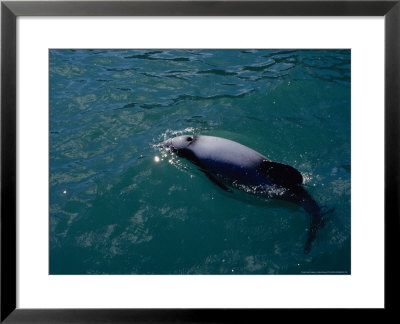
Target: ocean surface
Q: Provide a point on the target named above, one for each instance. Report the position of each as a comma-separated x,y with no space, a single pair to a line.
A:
120,205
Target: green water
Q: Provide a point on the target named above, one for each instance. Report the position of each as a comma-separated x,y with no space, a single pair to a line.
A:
119,205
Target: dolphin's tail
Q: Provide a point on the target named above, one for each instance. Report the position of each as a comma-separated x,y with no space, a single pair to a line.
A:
316,222
299,196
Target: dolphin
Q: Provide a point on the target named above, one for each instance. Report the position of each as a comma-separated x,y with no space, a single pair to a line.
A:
231,164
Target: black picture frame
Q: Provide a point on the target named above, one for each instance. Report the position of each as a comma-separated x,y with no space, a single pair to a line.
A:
10,10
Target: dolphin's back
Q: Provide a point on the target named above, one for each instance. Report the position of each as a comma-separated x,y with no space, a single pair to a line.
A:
240,164
229,159
227,151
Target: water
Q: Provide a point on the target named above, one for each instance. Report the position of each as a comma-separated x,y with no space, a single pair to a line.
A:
119,205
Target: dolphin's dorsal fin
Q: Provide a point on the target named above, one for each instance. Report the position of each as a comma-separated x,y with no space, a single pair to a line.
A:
281,174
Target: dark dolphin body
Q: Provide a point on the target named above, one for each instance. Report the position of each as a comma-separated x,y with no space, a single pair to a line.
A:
227,162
